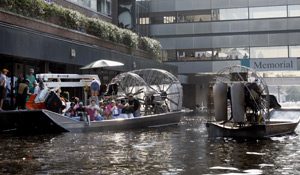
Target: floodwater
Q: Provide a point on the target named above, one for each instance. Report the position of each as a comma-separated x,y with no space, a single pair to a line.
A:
183,149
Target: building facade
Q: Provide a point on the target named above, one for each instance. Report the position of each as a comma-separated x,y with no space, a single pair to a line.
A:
27,42
205,36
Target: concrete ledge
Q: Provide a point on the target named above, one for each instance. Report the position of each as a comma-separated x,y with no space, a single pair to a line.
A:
49,28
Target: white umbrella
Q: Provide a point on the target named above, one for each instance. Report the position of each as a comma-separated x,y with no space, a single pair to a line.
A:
102,63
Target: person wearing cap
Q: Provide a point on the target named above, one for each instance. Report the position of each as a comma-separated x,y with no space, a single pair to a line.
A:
3,86
31,79
133,105
23,92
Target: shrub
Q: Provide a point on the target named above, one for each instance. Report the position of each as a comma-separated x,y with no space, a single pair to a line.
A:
151,45
68,18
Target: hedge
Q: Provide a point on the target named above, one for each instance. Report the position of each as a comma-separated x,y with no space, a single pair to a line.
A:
71,19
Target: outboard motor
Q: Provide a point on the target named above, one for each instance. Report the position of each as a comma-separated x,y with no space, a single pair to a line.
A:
238,102
220,101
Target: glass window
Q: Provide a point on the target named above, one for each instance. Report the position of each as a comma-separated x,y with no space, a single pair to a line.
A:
194,54
171,55
104,6
203,54
269,52
230,14
268,12
144,21
169,19
294,51
157,20
194,16
85,3
294,10
231,53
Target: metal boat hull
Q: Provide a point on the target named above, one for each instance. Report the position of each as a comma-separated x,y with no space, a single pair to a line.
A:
216,129
282,122
44,121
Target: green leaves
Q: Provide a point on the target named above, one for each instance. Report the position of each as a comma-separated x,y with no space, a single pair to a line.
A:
151,45
71,19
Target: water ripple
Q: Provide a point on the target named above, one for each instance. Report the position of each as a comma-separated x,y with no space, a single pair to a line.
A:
183,149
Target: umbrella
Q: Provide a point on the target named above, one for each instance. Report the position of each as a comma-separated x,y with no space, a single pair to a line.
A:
102,63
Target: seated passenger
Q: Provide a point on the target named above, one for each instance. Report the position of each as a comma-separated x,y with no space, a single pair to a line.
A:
80,111
107,110
71,112
133,106
93,111
114,110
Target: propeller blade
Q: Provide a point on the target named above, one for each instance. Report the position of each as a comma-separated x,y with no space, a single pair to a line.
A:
172,101
121,86
168,87
174,93
138,92
168,108
140,99
131,89
159,88
153,89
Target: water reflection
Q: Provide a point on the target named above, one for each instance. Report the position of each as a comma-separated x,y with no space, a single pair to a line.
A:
183,149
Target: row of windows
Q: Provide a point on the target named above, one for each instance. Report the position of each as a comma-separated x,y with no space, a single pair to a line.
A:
101,6
235,53
223,14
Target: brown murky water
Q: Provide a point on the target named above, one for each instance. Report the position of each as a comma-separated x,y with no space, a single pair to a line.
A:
183,149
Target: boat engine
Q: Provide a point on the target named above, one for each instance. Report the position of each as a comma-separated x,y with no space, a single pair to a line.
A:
238,102
220,101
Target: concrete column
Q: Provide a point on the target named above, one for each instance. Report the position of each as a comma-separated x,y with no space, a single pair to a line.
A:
94,5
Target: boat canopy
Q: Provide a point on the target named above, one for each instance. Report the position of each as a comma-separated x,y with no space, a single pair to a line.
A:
66,80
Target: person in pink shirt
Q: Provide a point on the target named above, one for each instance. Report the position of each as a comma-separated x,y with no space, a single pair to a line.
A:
107,111
93,111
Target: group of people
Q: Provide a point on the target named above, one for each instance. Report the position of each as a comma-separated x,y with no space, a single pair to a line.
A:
18,89
104,109
108,107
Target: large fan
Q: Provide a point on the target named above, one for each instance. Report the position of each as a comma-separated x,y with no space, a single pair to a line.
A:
252,82
129,83
165,87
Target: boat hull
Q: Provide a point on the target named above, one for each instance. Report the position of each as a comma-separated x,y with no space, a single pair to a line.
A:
44,121
282,122
216,129
28,122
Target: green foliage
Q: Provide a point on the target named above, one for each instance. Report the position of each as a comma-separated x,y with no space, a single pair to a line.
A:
150,45
71,19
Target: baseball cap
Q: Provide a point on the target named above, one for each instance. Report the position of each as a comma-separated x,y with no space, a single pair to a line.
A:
5,70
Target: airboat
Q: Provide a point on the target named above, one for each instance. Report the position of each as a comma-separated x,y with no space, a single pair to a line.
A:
241,107
159,93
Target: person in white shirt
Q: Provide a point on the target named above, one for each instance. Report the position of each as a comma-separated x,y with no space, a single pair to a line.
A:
3,86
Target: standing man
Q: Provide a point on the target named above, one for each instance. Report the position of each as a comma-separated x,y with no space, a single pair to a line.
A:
23,92
3,86
95,87
31,79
